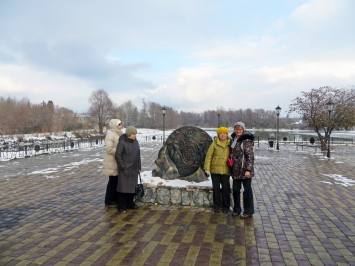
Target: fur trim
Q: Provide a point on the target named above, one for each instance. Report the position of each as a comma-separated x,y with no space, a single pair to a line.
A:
246,136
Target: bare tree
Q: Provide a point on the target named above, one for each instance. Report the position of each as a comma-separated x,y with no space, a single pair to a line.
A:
313,108
155,115
64,119
101,107
128,113
143,115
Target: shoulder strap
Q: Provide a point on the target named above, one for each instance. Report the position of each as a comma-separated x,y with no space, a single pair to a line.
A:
140,180
234,143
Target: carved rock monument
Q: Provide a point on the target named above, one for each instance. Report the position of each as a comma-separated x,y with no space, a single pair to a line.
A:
183,155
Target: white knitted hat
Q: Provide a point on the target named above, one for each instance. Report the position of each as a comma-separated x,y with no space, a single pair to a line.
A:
240,124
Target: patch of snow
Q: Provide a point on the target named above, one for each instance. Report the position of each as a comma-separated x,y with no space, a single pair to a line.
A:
45,171
326,158
70,168
325,182
50,176
338,162
85,161
346,182
148,178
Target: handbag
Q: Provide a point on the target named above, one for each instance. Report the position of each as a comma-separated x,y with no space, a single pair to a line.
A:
139,189
230,160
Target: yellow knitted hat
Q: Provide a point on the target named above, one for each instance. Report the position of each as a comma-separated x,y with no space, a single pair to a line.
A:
222,129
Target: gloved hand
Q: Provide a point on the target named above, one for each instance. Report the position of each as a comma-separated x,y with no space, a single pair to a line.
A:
208,173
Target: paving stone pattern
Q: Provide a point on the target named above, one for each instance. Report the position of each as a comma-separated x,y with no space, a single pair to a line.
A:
298,221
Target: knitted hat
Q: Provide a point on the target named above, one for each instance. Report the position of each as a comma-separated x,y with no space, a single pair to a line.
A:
130,130
222,129
118,122
240,124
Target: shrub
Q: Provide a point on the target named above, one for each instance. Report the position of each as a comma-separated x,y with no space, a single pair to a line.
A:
77,135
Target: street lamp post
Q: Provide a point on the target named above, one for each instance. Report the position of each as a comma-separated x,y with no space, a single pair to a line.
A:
163,110
330,106
219,115
278,111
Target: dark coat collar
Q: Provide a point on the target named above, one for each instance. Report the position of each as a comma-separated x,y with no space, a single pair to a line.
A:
125,138
245,136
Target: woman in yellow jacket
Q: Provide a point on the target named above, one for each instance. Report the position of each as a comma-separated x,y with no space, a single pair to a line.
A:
216,165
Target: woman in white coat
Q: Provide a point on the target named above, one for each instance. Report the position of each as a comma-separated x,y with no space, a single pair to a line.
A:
110,164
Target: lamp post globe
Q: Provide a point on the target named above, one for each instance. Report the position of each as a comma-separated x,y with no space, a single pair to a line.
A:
278,111
163,110
330,106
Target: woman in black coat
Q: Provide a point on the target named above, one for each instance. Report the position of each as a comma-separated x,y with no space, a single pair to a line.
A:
129,165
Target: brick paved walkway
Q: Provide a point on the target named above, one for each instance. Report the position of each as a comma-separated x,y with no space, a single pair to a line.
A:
305,215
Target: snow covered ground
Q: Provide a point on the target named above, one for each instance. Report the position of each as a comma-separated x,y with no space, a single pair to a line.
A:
20,153
50,165
339,180
148,178
39,137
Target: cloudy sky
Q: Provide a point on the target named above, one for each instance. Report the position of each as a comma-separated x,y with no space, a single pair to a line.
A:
190,55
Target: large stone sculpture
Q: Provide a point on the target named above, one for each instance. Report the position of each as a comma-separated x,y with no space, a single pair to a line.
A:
183,155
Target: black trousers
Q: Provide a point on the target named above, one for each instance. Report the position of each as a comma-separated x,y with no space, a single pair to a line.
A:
125,200
111,193
248,201
216,181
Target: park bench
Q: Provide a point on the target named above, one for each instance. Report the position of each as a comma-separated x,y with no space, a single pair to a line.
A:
308,146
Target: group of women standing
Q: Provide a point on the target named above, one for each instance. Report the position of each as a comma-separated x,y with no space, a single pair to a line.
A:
122,163
239,149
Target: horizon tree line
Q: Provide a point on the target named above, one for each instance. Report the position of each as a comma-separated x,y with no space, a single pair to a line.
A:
23,117
150,115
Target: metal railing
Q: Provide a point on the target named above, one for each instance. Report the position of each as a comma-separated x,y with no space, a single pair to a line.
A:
23,150
158,138
306,140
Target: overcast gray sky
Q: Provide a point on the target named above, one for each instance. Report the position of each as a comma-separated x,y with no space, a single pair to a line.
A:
190,55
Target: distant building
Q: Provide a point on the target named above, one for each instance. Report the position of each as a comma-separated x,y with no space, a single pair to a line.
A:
85,121
83,118
299,122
